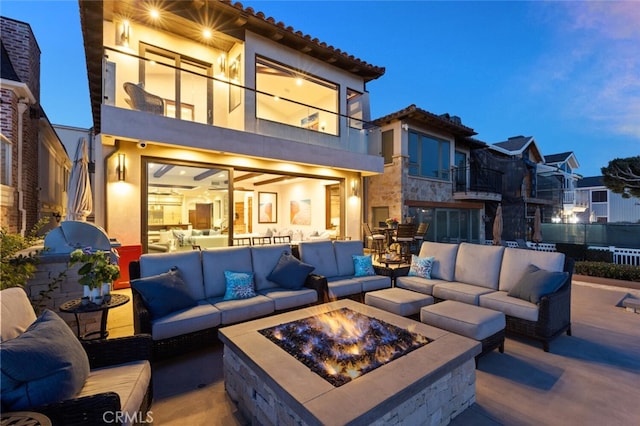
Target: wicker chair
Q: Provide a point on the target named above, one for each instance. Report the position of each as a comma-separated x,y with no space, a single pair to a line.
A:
142,100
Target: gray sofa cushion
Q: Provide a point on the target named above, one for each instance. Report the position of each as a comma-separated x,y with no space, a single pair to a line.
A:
43,365
321,255
235,311
287,299
421,285
188,262
374,282
462,292
264,259
344,251
536,282
479,265
216,261
515,261
444,263
512,306
343,286
200,317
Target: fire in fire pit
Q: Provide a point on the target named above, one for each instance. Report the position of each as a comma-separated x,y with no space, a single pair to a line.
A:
343,344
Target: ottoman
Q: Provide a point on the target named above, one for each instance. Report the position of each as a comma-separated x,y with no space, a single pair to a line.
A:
481,324
399,301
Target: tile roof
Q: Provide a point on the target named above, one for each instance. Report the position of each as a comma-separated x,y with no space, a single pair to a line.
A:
590,181
557,158
446,122
515,143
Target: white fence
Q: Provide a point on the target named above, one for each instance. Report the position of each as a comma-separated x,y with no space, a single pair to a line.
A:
621,256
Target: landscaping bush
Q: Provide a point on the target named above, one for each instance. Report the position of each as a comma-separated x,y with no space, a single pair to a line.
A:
576,251
608,270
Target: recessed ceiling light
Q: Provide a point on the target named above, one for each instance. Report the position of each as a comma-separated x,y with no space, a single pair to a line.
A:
154,13
206,33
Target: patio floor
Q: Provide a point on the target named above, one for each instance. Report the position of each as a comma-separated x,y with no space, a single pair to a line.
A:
589,378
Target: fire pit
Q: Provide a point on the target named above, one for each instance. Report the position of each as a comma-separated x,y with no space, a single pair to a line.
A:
429,383
342,345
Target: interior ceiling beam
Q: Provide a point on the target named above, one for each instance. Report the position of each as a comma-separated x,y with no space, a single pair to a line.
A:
247,176
275,180
205,174
163,170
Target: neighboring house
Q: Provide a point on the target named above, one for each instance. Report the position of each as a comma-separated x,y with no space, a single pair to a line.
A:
603,205
527,185
34,163
563,166
215,119
424,155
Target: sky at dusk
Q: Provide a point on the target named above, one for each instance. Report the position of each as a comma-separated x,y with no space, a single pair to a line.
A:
566,73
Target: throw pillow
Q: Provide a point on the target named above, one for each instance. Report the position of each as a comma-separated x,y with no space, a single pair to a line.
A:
536,282
421,266
363,266
239,285
43,365
197,233
290,272
164,293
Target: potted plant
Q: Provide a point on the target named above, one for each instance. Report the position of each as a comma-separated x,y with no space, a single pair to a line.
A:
392,222
96,273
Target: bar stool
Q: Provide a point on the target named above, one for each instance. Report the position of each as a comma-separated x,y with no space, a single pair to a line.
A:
377,241
405,236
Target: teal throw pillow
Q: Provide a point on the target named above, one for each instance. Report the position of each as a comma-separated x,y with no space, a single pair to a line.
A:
421,266
536,283
43,365
290,272
239,285
363,266
164,293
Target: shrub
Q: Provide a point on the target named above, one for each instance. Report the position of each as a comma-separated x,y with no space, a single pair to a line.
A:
608,270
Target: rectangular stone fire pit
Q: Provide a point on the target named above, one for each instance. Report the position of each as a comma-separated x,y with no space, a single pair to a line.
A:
430,385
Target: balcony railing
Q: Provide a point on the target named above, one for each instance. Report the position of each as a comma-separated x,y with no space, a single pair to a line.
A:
471,179
188,93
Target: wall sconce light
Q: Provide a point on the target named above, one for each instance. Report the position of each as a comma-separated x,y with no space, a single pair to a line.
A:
57,216
405,127
123,33
354,188
121,170
222,65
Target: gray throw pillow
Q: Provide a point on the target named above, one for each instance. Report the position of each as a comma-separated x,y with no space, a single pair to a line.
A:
43,365
164,293
290,272
536,282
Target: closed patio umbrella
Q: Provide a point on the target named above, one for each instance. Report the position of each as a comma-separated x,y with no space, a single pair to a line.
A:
80,200
497,226
537,226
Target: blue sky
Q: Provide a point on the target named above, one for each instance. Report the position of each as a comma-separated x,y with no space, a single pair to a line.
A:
567,73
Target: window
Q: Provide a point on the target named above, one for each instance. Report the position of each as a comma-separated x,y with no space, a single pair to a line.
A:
428,156
5,160
296,98
461,170
387,146
354,109
598,196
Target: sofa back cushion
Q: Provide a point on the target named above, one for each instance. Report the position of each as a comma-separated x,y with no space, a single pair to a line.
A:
264,259
479,265
188,262
320,254
516,261
16,313
444,259
217,260
344,251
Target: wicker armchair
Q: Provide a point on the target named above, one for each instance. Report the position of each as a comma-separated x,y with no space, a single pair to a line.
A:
142,100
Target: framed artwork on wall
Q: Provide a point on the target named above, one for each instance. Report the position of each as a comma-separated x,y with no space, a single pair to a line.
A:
267,207
235,92
300,212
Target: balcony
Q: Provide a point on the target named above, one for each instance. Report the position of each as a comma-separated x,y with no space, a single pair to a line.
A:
194,93
470,183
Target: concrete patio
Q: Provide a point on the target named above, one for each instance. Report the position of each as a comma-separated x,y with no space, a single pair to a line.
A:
591,377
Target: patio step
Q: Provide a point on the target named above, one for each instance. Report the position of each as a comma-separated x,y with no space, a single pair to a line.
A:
631,304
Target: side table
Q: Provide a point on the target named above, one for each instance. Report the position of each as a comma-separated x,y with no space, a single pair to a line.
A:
388,271
76,307
24,418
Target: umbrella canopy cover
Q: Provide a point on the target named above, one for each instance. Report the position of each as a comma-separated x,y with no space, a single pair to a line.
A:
537,226
80,199
497,226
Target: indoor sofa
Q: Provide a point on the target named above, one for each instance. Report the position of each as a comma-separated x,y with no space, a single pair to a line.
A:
177,323
46,369
536,300
334,261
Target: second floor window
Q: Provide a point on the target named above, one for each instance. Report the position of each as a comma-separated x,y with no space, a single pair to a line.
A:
429,156
387,146
296,98
5,161
598,196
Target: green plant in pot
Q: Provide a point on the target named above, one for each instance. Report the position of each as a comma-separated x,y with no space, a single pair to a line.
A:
96,269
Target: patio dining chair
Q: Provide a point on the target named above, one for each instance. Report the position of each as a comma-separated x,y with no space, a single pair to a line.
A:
281,239
376,241
405,236
142,100
421,234
241,241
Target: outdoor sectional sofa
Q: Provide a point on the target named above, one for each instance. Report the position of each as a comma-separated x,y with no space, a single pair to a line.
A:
485,275
182,327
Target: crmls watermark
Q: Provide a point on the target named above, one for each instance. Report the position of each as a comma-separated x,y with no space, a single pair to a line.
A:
126,417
